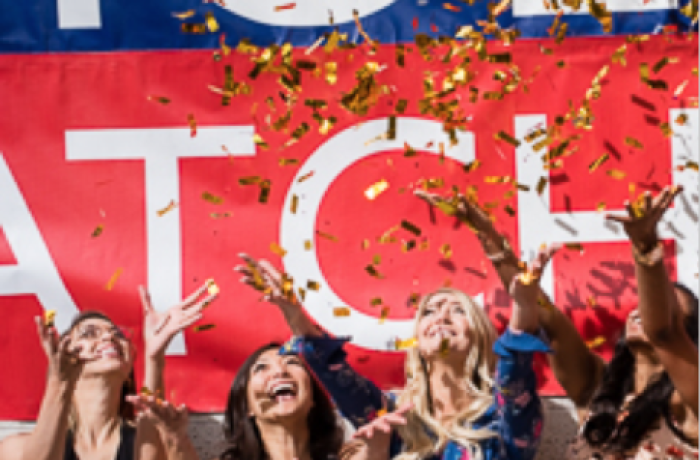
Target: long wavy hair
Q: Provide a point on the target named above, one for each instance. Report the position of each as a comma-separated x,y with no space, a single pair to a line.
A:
603,428
479,366
126,409
241,431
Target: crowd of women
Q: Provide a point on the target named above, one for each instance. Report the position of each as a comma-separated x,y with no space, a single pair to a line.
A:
468,394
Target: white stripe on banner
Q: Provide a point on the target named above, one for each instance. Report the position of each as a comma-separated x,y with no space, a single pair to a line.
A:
537,8
79,14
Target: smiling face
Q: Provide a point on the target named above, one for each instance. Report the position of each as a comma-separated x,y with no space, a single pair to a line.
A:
279,388
443,328
103,346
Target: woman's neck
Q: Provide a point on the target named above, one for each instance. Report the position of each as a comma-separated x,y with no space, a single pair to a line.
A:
96,407
447,389
289,441
646,366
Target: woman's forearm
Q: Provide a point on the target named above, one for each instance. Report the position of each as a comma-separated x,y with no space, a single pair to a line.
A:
299,322
48,439
658,306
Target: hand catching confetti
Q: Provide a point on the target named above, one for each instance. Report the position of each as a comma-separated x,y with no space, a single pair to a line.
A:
263,276
159,328
643,217
525,291
171,421
65,364
376,435
463,209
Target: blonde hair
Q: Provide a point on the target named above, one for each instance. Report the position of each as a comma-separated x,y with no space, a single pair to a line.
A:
479,367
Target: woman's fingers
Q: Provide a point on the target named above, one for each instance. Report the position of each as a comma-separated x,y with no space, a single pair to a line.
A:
619,218
431,198
189,301
145,300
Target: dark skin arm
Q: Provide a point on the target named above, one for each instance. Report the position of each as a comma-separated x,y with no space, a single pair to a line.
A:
659,307
576,367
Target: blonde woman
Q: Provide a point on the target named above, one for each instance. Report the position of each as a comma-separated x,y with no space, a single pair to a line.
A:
455,408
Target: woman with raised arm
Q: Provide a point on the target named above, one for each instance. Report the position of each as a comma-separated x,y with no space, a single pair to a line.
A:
275,411
84,413
644,401
454,406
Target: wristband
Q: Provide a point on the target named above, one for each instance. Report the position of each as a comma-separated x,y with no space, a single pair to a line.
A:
649,258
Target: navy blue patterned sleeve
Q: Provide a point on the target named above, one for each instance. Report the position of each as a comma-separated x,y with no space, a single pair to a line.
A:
356,397
519,408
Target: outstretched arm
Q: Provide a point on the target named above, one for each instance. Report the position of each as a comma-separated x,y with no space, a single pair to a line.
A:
47,441
159,328
662,317
575,366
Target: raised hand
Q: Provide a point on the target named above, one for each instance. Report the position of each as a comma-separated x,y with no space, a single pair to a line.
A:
65,362
462,208
642,219
376,435
264,277
159,328
525,290
166,417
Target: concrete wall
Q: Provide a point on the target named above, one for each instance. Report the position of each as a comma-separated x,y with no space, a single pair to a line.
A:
205,430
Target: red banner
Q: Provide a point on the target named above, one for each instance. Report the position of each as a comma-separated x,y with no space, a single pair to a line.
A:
105,186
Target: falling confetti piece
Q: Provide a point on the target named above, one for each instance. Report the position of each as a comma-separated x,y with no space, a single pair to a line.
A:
286,6
172,205
308,245
541,185
193,125
373,271
574,246
376,189
49,317
294,204
98,231
595,343
212,287
277,249
384,314
451,7
408,226
184,15
160,99
327,236
632,142
591,302
203,327
446,251
211,198
211,22
265,187
312,286
305,177
602,159
405,344
113,279
445,347
341,311
616,174
503,136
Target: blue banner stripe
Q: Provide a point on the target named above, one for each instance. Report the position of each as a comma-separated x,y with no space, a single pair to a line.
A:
32,25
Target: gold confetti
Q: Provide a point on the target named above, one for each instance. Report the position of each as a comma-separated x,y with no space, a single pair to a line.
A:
312,285
203,327
601,13
595,343
405,344
161,99
376,301
191,28
277,249
341,311
113,279
212,287
258,140
184,15
211,22
264,191
541,184
294,204
172,205
446,251
619,56
692,165
591,302
327,236
305,177
211,198
193,125
376,189
451,7
632,142
49,317
445,346
373,271
408,226
503,136
574,246
308,245
384,314
616,174
98,231
249,180
602,159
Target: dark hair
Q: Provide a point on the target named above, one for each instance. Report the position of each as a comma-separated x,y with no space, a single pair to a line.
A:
126,409
603,427
241,431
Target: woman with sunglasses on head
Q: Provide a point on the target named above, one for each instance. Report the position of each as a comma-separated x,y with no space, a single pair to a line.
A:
644,402
84,413
452,406
275,411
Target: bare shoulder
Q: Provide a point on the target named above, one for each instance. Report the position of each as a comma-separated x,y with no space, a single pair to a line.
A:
12,446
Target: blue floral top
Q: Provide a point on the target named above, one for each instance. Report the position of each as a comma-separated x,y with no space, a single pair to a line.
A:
515,415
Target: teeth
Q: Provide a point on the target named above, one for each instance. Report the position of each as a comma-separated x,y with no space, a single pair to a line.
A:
281,387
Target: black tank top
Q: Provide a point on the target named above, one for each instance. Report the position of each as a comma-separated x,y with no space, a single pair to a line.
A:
124,452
